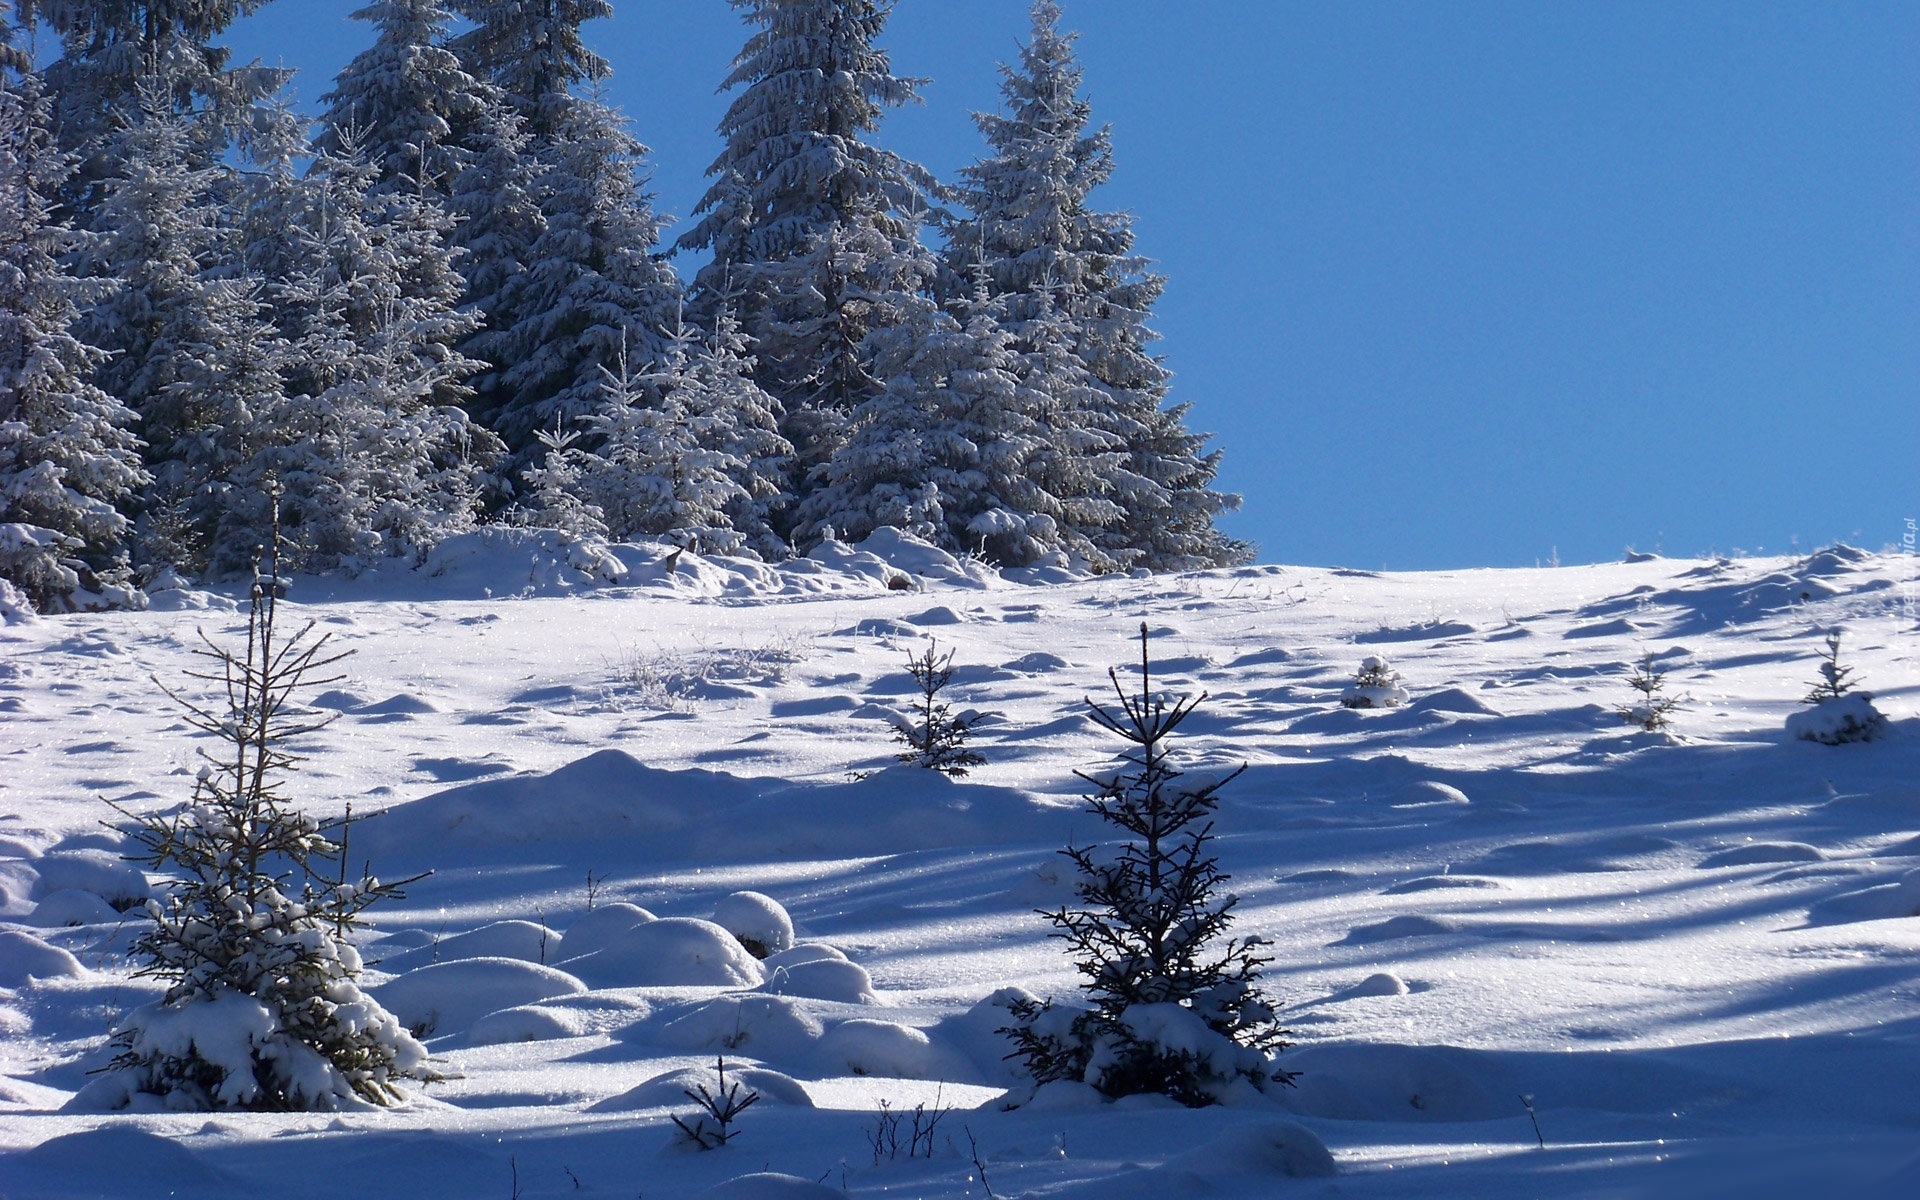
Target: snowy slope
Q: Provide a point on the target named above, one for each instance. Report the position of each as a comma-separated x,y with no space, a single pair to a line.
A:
1696,953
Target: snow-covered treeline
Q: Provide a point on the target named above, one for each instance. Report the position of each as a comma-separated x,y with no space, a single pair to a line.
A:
446,302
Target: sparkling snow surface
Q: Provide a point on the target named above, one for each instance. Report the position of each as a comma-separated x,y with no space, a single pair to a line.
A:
1698,954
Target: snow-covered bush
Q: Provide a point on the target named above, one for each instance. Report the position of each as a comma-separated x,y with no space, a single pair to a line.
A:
263,1009
1652,710
937,736
1839,713
1173,1005
757,920
1375,685
15,608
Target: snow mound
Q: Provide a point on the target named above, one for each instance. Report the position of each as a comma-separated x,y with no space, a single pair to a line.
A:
1381,1082
867,1047
670,1090
529,1023
398,705
71,907
1381,983
805,952
502,560
601,925
1395,928
24,958
1759,853
607,796
1836,722
503,939
768,1185
899,809
1265,1147
1900,898
976,1033
15,608
113,1160
1434,883
610,798
1427,791
938,615
768,1027
905,552
833,979
757,920
671,952
449,997
1432,631
1453,701
1037,663
101,872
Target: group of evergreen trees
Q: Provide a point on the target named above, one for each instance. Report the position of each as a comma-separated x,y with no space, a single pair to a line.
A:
446,302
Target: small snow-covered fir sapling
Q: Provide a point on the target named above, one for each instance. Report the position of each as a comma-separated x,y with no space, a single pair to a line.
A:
1653,709
712,1127
263,1010
1375,685
1839,712
936,737
1172,1001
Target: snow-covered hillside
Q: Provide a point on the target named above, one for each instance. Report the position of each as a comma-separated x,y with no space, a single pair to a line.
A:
1696,953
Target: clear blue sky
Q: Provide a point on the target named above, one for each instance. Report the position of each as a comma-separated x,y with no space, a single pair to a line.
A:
1454,284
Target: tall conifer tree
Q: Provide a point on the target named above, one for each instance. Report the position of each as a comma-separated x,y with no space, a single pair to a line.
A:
1042,247
592,290
114,50
812,227
69,460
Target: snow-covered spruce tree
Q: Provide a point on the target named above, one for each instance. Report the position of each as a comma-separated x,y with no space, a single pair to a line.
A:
112,49
1839,712
1653,710
533,52
954,449
191,350
1080,462
408,105
69,462
552,499
432,129
263,1009
813,229
745,420
1174,1006
1375,685
369,445
591,289
660,468
936,737
1041,245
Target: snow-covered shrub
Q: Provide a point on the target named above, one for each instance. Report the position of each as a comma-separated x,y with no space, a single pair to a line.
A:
758,921
937,737
1839,713
263,1009
1375,685
1172,1005
1652,709
15,608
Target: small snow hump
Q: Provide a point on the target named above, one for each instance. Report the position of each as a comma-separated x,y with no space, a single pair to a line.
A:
1264,1147
770,1185
757,920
